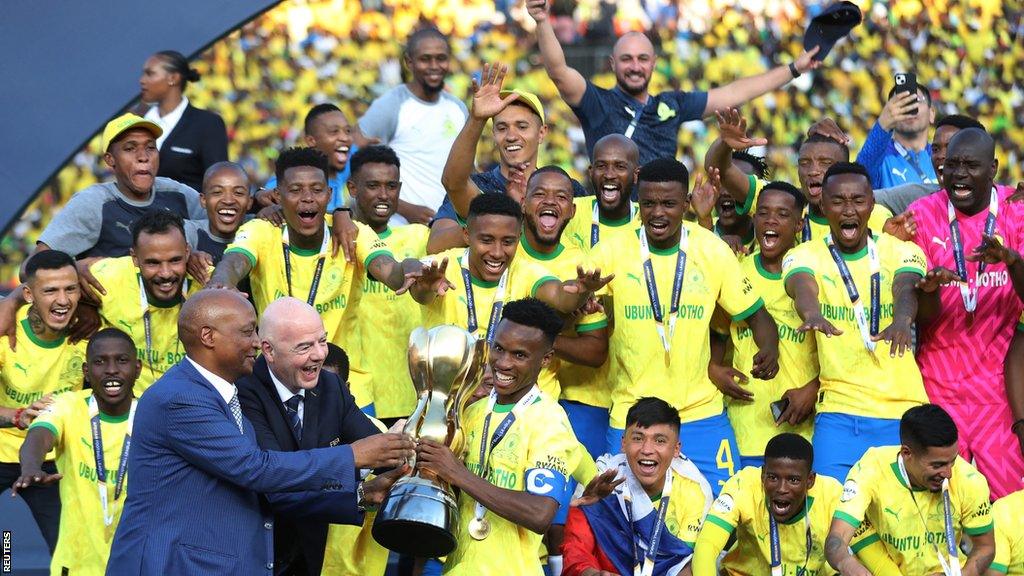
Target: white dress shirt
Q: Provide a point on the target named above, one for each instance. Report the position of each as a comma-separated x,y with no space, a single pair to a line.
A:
286,394
224,388
167,123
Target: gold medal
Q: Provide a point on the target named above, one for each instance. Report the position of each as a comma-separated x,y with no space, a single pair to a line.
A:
479,528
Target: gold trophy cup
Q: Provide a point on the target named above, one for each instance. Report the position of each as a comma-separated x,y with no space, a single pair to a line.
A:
419,515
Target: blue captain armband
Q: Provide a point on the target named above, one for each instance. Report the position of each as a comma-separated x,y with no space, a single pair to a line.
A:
546,482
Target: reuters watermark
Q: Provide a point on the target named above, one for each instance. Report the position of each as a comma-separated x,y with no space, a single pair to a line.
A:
6,567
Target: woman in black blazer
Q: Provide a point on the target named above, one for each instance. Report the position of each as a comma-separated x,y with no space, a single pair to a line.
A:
198,139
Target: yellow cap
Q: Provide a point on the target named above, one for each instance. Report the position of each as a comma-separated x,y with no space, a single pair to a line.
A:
126,122
528,98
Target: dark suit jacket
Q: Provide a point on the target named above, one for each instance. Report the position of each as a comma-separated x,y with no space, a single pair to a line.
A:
330,417
198,141
192,504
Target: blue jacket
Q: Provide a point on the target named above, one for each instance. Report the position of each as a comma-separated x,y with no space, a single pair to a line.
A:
193,482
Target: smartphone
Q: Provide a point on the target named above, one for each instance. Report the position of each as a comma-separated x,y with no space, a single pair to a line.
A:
906,82
778,407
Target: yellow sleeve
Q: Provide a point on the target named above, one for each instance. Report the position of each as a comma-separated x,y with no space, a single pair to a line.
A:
52,418
710,543
911,259
976,503
249,240
871,552
1004,546
693,499
738,296
547,464
857,494
799,259
585,468
106,271
725,512
369,245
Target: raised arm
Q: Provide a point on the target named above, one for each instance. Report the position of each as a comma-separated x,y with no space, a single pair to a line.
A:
746,89
802,288
587,348
570,83
733,136
231,270
38,442
567,297
904,297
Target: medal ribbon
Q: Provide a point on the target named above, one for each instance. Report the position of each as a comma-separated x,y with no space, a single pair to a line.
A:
101,465
147,321
969,289
496,307
775,543
643,565
867,329
950,566
595,222
486,448
315,285
677,285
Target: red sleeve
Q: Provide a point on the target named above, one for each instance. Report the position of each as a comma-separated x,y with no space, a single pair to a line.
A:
579,549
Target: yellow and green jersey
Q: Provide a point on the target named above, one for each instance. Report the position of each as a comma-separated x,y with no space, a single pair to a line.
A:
37,368
853,380
798,364
1008,516
340,286
535,456
562,264
910,522
121,308
741,511
579,231
83,546
639,366
380,334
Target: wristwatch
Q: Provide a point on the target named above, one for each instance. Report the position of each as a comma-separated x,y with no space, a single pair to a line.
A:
793,70
361,502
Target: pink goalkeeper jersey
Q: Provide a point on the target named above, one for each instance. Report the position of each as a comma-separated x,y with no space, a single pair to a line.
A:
961,361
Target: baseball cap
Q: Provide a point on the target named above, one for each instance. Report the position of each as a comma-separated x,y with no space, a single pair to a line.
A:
126,122
834,22
528,98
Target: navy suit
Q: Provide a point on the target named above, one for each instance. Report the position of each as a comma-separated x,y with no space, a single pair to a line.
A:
330,417
192,504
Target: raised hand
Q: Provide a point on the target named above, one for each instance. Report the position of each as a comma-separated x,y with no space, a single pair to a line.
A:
383,450
732,127
487,100
828,128
902,226
898,109
805,61
992,251
432,276
729,380
343,235
537,9
588,282
817,322
598,488
936,277
705,194
33,478
898,335
198,267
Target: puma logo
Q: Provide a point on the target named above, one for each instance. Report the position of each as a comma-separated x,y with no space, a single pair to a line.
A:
463,300
119,224
126,325
936,240
901,173
894,514
632,276
828,279
24,370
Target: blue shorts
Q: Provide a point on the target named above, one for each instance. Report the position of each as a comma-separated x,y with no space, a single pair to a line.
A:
590,423
432,567
710,443
757,461
841,439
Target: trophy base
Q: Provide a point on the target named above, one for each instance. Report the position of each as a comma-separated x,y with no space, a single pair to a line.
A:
418,518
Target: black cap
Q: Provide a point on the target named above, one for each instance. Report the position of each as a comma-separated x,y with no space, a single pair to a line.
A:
834,22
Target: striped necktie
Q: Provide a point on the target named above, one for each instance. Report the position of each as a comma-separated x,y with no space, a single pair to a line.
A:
236,410
291,409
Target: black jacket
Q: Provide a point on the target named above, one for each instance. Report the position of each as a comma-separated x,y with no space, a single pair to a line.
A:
330,418
198,141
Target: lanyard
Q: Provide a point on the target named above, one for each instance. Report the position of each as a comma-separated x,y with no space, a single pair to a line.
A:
951,566
595,222
969,292
487,448
147,320
775,543
677,285
285,245
643,565
101,465
636,114
806,235
496,307
866,330
912,160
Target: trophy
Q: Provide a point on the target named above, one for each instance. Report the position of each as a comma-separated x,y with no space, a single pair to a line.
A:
419,515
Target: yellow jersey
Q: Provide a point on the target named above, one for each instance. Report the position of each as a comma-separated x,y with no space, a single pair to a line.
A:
37,368
579,231
340,283
639,365
853,380
818,225
561,264
381,329
1009,523
798,364
742,511
83,545
535,456
910,523
121,308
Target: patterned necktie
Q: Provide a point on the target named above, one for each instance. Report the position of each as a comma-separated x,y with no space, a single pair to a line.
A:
291,409
236,410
